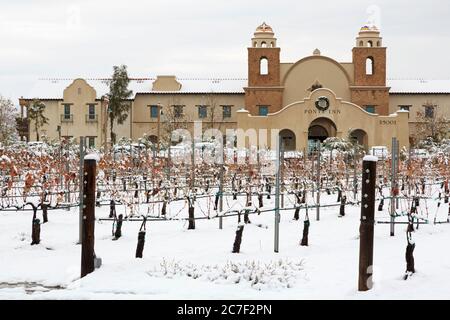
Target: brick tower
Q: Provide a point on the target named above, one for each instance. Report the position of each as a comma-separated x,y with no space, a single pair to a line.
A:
264,93
369,90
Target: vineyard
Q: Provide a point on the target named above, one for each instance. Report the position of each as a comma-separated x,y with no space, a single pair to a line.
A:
173,225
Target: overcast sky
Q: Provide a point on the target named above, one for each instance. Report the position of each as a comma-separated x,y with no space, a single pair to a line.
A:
207,38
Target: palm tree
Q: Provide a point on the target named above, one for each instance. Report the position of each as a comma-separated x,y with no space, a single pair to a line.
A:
36,113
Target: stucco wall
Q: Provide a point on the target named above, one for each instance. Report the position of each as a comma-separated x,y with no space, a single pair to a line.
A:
303,74
79,95
143,123
298,116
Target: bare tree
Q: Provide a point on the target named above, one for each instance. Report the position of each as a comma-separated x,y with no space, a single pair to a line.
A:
213,119
173,116
430,124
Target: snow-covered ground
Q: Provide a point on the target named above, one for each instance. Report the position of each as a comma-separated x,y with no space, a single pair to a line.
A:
198,264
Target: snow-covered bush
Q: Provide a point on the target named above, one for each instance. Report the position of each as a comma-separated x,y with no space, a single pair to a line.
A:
8,113
272,275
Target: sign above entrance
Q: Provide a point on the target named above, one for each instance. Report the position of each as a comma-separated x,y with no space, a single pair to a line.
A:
322,103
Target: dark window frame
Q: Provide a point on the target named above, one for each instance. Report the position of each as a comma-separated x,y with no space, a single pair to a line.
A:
266,107
202,111
367,107
154,111
429,112
66,111
91,115
226,115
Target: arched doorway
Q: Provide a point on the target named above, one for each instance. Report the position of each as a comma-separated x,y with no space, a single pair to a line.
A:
321,128
288,138
360,136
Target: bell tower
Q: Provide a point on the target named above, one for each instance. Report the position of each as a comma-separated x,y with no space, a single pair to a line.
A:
263,91
369,90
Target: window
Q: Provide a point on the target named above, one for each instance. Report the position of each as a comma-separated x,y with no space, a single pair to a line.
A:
429,111
264,66
369,66
154,111
202,112
178,111
263,44
91,142
67,111
370,109
361,44
226,112
91,112
370,43
263,110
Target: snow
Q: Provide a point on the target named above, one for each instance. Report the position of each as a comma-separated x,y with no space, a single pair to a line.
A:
370,158
418,86
92,156
198,264
5,158
54,88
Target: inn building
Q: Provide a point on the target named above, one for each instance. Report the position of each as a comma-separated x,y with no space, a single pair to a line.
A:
307,100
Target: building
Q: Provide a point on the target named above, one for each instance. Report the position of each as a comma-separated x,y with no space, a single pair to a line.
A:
313,98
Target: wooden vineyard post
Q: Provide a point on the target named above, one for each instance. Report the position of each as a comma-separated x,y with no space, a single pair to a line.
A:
277,196
394,159
366,228
88,223
221,194
238,239
80,179
318,182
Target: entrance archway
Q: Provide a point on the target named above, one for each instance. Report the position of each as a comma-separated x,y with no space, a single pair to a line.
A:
320,129
288,138
361,137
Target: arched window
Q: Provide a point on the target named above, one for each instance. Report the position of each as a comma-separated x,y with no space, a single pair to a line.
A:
255,44
370,66
361,43
263,66
378,43
263,44
370,43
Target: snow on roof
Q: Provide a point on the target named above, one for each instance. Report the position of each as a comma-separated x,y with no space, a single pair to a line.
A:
46,89
418,86
208,85
54,88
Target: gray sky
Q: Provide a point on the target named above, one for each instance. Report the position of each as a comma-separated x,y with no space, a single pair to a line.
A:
207,38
